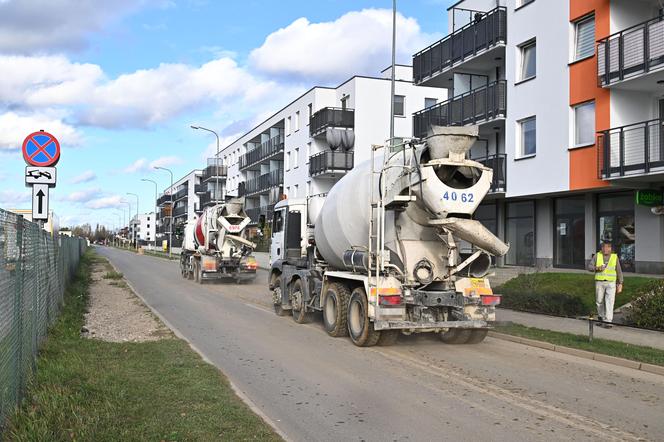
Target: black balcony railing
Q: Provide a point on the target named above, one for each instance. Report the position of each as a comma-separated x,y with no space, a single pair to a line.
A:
182,193
266,150
331,117
179,211
215,169
200,188
631,150
164,199
330,162
498,162
631,52
256,213
263,183
482,104
209,198
483,33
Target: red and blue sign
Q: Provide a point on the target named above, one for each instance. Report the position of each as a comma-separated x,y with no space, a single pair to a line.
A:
41,149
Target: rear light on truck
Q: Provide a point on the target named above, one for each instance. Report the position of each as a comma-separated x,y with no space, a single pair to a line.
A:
388,296
251,264
390,300
490,299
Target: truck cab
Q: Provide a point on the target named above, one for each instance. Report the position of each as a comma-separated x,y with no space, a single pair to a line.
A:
289,230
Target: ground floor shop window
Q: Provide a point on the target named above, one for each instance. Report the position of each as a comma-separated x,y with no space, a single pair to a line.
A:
487,214
570,226
615,216
520,233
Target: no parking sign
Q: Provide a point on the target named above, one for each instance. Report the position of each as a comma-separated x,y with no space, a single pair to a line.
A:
41,151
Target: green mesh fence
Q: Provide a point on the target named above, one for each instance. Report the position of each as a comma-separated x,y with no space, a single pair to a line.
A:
35,267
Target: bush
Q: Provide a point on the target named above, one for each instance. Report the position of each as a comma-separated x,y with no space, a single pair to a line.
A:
648,308
112,275
559,304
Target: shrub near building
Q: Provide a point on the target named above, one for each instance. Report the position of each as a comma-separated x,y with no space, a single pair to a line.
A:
647,309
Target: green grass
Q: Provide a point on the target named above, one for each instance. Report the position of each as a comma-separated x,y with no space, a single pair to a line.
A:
87,389
579,285
612,348
112,274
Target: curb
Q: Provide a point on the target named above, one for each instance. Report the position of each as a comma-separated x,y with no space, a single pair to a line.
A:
243,397
621,362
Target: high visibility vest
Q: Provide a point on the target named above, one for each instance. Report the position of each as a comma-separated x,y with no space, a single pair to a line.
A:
609,273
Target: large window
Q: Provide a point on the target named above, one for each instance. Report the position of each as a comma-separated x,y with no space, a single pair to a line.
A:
428,102
584,124
616,224
527,136
570,236
520,233
528,61
584,38
399,107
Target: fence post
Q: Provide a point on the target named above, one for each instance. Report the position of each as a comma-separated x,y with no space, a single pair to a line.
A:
18,316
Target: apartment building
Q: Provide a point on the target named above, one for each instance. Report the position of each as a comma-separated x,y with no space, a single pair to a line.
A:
143,228
569,96
304,148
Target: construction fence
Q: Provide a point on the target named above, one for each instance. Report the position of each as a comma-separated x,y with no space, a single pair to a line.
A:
35,267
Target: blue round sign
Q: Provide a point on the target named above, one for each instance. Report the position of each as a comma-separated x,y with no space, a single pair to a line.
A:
41,149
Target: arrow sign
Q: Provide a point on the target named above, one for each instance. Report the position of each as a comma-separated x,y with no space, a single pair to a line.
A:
39,201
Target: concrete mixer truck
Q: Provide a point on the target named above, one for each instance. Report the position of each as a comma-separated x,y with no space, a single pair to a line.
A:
380,254
215,246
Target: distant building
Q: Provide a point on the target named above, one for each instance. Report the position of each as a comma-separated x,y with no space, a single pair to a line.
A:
143,228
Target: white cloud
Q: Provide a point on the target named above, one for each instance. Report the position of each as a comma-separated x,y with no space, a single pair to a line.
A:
15,127
358,42
10,198
107,202
83,196
85,177
143,165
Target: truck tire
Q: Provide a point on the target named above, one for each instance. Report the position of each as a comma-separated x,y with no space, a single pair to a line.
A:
299,310
335,310
195,271
456,336
276,294
388,337
199,272
477,336
360,328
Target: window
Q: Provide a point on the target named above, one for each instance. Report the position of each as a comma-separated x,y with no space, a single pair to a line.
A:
399,108
288,161
428,102
296,158
308,188
288,125
297,121
311,110
615,216
344,101
527,137
520,233
278,221
148,226
584,124
308,153
528,61
295,189
569,240
584,38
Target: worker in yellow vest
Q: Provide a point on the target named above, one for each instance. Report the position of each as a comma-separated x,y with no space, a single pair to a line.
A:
608,281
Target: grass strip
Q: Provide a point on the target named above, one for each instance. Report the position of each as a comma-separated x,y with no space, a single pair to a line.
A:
604,346
87,389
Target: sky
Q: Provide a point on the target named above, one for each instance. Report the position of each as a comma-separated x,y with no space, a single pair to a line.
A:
119,83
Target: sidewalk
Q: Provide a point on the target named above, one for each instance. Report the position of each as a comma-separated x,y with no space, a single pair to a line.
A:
628,335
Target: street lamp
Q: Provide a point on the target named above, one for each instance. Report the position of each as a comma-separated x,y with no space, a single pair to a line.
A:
137,219
170,229
216,164
156,193
129,215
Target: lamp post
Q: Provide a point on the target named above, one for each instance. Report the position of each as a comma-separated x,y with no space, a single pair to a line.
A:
170,228
129,214
216,186
156,192
137,219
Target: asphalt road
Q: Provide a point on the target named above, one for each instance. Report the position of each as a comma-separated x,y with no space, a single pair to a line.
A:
318,388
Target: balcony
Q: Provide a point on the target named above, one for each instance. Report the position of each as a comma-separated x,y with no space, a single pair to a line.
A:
180,194
263,183
330,163
265,151
497,162
164,199
214,170
476,38
179,211
631,54
630,151
480,105
209,199
255,213
332,117
200,188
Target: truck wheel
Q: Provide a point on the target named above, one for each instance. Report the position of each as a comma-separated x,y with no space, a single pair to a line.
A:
335,312
360,328
299,310
199,273
456,336
276,297
477,336
388,337
195,271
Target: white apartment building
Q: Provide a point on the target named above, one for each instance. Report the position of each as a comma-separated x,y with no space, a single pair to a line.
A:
304,148
569,97
143,228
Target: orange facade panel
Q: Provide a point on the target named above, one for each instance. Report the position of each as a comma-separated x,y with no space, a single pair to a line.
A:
583,164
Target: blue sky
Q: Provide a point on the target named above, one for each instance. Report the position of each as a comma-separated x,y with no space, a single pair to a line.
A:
120,82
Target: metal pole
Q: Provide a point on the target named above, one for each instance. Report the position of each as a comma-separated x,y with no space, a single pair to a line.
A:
394,42
137,219
156,194
216,165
